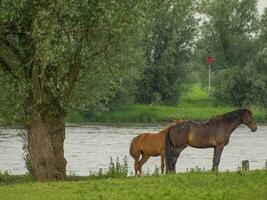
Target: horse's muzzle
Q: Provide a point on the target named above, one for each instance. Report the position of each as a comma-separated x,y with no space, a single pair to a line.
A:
254,129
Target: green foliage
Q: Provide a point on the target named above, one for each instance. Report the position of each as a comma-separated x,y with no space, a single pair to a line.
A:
192,185
228,31
115,170
124,94
170,38
194,105
10,100
6,178
244,86
233,33
62,55
261,62
122,51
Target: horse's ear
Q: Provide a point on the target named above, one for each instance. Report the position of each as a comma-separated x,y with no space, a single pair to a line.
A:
178,121
173,120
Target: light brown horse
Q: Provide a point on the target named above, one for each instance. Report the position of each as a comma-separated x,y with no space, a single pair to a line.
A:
212,134
149,144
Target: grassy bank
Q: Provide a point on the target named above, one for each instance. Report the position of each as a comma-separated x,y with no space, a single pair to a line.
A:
194,105
193,185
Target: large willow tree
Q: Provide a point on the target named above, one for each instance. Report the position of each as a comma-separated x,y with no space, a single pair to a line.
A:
54,54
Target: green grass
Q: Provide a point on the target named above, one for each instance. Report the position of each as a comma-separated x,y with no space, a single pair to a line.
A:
6,179
191,186
194,105
116,169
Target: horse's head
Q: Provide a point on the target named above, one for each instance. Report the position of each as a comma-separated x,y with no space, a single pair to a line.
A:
248,120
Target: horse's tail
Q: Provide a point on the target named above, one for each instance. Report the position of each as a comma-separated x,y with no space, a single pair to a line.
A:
168,152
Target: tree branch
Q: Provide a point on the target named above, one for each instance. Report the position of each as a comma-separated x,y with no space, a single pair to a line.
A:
72,74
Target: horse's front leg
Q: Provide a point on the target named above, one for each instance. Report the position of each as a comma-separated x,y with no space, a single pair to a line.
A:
174,161
216,157
176,154
162,160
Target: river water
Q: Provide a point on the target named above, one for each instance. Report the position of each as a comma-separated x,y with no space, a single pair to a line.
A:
89,147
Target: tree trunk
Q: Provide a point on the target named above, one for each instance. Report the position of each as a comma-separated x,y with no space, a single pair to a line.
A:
45,147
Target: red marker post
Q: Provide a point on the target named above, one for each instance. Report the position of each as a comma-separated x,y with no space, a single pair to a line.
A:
210,60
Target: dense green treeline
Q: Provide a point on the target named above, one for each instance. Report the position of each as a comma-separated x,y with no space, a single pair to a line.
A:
194,104
155,64
176,41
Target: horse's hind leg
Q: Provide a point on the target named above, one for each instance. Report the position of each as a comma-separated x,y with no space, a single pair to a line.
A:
136,162
136,167
142,162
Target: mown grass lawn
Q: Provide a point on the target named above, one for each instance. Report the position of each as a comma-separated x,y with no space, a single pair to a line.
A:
195,105
193,185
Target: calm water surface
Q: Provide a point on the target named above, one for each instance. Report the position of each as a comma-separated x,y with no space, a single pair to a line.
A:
89,147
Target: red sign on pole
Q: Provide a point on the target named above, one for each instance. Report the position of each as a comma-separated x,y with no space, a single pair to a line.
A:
210,60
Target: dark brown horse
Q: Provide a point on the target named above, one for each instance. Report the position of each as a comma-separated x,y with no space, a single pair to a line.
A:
212,134
149,144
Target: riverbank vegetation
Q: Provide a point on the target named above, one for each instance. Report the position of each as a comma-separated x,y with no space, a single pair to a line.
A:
191,185
194,105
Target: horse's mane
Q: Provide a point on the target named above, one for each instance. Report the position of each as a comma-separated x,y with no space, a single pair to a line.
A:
166,129
231,116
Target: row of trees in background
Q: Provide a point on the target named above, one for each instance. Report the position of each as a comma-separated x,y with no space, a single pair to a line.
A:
236,36
59,56
178,37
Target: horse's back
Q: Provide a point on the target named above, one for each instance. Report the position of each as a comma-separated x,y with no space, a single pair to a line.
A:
153,144
206,129
202,135
179,133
